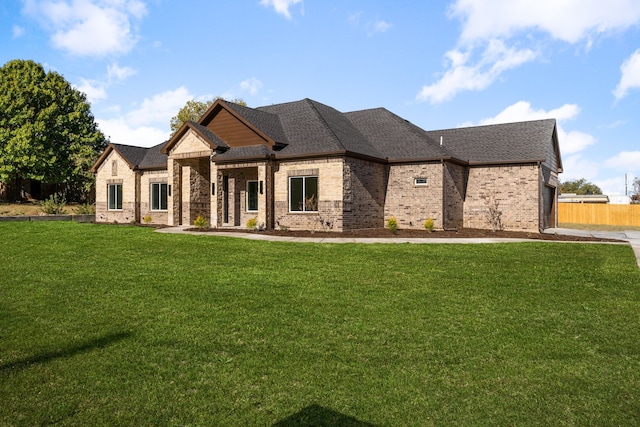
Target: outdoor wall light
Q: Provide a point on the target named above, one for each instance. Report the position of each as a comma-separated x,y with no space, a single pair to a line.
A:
169,189
261,187
213,188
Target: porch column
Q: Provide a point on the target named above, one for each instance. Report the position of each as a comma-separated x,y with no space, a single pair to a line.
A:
173,199
216,192
265,195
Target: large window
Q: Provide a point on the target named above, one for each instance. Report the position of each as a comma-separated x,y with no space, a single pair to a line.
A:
115,197
303,194
159,196
252,196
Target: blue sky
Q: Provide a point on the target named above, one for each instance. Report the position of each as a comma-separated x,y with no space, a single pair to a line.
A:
438,64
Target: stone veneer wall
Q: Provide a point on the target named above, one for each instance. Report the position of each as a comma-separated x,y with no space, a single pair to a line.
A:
114,170
364,185
455,188
199,199
146,179
412,204
330,189
516,189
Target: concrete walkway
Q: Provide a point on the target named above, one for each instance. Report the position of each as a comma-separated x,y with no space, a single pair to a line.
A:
632,237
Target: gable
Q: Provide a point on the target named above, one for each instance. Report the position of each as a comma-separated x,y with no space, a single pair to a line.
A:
113,165
191,145
554,161
235,132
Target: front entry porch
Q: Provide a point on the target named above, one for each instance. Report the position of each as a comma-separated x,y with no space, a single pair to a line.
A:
242,192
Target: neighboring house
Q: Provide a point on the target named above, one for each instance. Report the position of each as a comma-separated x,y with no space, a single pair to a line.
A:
583,198
305,165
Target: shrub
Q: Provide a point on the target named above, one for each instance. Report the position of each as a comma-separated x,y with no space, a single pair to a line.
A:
86,209
392,225
493,213
200,221
428,224
147,219
252,223
54,205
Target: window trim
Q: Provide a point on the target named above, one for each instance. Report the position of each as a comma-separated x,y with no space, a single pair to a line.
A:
247,193
151,194
118,200
304,193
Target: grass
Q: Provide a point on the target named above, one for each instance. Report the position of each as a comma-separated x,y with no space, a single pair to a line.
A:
118,325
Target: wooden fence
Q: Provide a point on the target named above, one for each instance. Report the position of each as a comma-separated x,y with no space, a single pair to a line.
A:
605,214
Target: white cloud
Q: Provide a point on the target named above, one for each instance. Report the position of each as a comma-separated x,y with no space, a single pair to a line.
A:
251,85
147,125
626,160
18,31
89,27
94,90
630,75
487,22
121,132
160,108
117,73
464,75
378,27
570,141
567,20
282,6
575,167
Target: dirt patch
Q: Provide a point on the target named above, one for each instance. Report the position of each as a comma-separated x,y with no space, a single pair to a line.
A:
466,233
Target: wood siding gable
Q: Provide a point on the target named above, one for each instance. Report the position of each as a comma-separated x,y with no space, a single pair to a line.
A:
232,128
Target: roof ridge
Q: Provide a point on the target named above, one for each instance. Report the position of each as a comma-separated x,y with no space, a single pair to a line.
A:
494,124
324,121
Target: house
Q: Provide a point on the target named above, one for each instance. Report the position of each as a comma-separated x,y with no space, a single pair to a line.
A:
305,165
583,198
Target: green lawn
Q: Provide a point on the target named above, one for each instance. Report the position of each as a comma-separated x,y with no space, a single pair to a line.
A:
118,325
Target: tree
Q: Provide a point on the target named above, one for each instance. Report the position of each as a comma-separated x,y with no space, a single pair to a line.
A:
193,110
635,192
47,131
579,186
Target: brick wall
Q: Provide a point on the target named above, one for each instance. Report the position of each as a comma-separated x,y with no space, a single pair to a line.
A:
146,179
330,189
364,185
455,187
412,204
114,170
514,187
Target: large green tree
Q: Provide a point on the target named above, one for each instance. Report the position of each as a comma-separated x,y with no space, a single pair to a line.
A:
193,110
47,131
579,186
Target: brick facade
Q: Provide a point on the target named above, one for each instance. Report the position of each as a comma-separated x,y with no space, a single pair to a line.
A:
115,170
330,198
411,204
514,187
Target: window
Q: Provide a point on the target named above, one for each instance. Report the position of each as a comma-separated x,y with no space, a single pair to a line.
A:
159,191
115,196
303,194
252,195
420,181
